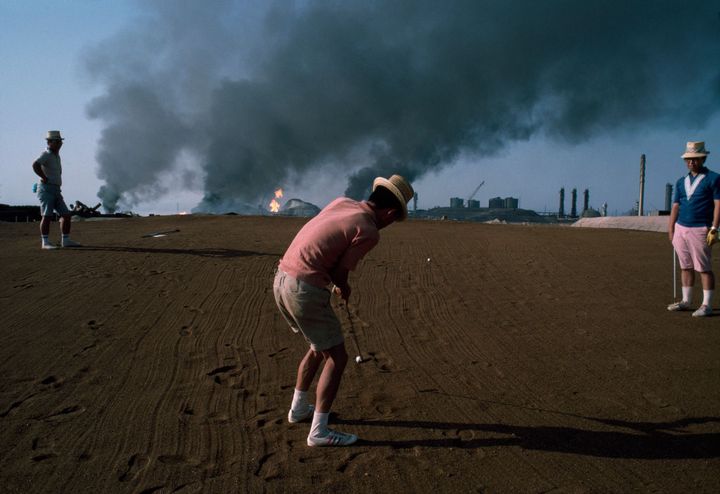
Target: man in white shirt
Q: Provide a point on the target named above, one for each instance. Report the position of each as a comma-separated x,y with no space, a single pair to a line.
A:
49,168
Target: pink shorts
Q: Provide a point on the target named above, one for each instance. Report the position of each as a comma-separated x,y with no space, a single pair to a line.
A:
692,248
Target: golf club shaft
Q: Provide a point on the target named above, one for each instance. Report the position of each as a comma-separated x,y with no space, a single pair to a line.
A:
674,274
352,328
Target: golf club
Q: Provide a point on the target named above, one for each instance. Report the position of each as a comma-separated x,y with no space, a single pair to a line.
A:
359,358
674,274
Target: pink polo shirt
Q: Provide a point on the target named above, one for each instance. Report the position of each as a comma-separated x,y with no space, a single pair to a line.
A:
340,235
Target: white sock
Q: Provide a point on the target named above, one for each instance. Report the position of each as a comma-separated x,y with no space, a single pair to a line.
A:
319,426
707,297
687,294
45,240
299,401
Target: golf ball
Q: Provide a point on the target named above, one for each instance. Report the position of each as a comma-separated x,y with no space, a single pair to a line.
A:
358,359
428,259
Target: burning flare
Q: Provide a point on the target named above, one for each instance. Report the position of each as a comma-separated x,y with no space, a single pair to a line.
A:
274,205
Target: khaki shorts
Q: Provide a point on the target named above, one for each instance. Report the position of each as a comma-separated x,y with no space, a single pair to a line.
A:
307,310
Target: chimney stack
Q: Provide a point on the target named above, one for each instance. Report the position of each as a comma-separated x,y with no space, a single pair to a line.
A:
642,185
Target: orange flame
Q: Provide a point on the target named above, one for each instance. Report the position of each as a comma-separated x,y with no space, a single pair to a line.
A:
274,205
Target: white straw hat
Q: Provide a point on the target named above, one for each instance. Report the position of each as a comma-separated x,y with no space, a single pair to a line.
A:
695,149
54,135
400,189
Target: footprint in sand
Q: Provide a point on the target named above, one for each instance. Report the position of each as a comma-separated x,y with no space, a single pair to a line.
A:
53,381
43,449
66,413
219,374
93,325
135,465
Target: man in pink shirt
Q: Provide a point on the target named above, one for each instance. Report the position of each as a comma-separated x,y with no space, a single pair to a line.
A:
323,253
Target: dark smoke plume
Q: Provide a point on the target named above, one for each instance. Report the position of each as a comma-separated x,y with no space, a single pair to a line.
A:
260,95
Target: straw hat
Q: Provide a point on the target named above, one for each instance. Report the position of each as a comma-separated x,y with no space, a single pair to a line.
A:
400,189
54,135
695,150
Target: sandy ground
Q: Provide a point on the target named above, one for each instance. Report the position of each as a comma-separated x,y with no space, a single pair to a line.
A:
520,358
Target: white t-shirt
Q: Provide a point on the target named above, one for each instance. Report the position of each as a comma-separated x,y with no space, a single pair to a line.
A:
51,167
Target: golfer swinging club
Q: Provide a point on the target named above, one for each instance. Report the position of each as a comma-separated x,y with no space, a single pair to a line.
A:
323,252
693,227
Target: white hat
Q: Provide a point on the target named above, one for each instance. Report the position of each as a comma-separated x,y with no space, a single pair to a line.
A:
54,135
695,150
400,189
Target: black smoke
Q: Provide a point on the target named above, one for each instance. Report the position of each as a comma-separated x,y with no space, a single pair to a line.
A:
263,94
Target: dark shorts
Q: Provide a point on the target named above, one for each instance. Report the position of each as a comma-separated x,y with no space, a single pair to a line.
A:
51,199
307,310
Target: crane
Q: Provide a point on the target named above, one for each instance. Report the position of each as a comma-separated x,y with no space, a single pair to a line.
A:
475,191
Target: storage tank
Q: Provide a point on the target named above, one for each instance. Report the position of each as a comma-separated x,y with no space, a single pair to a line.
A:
496,203
456,202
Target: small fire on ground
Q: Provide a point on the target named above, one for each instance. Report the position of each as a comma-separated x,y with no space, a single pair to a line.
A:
274,205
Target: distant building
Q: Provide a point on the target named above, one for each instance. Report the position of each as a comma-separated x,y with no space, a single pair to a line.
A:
506,203
473,204
456,202
496,203
298,207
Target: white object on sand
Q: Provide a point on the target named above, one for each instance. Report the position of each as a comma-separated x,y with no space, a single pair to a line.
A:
358,359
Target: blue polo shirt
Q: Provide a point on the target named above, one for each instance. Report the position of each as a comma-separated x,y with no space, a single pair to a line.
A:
698,210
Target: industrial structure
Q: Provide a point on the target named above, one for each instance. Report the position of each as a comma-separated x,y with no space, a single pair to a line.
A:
642,186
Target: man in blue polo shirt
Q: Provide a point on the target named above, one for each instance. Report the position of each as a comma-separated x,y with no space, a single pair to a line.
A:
693,226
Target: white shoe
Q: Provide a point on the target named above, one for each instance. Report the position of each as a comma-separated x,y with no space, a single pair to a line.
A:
298,416
69,243
333,438
703,311
678,306
48,246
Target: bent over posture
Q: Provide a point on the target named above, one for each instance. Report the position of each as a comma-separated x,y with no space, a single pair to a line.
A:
323,252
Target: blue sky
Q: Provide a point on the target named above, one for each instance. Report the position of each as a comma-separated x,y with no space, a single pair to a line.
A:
44,85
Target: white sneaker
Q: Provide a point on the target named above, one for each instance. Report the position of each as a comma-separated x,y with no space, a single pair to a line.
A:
703,311
333,438
678,306
48,246
69,243
300,415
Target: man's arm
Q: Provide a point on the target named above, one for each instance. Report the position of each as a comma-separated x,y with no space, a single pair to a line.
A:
716,214
674,216
339,277
39,172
